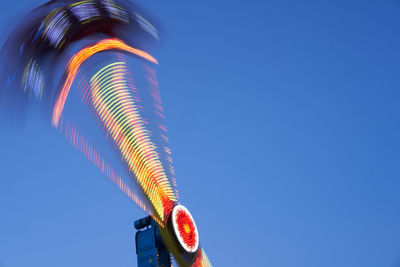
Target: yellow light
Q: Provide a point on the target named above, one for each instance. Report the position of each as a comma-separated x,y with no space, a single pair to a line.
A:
80,57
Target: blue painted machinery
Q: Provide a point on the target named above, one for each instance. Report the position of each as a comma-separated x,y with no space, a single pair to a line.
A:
150,248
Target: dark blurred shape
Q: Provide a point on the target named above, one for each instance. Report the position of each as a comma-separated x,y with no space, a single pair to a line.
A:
142,223
36,48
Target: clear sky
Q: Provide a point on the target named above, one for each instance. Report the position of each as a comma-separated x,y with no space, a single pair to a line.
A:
283,120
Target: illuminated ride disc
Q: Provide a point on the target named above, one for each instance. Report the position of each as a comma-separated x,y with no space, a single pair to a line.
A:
185,228
181,237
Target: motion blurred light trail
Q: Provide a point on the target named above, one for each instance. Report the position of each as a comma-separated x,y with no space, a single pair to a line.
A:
114,104
47,36
80,57
88,39
81,144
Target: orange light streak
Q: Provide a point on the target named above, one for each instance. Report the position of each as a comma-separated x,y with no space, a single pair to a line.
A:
80,57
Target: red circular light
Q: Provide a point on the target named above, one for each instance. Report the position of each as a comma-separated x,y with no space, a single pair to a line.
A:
185,228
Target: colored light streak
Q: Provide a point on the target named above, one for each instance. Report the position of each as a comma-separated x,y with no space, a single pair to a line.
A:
147,26
55,25
114,104
73,136
202,260
158,109
115,11
85,11
32,80
80,57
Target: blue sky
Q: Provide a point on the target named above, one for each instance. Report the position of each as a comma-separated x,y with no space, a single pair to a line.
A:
283,122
